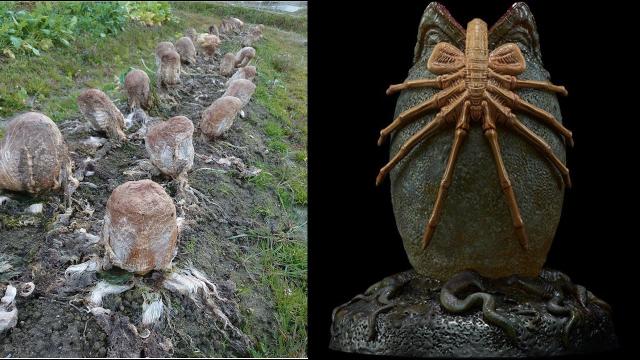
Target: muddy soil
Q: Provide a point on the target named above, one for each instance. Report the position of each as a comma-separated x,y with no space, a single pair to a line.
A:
53,321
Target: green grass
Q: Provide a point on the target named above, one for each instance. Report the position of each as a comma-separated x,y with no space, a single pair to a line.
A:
283,91
55,80
254,16
284,260
190,245
225,189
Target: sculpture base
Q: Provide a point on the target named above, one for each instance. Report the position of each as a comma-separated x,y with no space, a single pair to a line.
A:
410,315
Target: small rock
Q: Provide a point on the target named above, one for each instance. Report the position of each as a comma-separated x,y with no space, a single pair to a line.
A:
35,208
218,117
94,142
136,84
64,218
170,145
102,113
140,225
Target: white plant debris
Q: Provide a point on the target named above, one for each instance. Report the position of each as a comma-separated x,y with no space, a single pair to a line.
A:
238,164
98,311
102,289
91,265
9,295
180,222
27,289
5,266
63,219
152,309
94,142
128,121
4,199
193,284
89,238
8,310
35,208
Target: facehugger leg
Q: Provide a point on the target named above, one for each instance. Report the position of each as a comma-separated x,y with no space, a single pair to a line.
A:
515,102
462,127
440,82
492,136
513,83
437,101
512,121
426,131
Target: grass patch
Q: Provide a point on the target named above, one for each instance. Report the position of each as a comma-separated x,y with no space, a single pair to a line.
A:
255,16
225,189
263,180
264,210
273,130
300,156
278,146
190,245
56,80
37,28
284,260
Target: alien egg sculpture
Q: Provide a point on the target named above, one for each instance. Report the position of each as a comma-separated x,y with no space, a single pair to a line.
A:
478,157
136,85
169,70
170,145
244,56
161,48
140,228
255,34
191,33
101,113
227,64
208,43
219,117
247,73
33,156
186,50
242,89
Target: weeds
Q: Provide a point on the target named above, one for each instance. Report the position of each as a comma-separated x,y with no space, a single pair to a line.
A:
255,16
48,24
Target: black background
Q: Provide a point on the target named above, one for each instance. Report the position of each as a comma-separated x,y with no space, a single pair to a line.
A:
356,52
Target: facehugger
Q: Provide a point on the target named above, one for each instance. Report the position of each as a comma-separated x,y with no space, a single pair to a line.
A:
476,86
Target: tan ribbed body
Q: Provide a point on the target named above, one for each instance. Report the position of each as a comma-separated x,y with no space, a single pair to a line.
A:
477,66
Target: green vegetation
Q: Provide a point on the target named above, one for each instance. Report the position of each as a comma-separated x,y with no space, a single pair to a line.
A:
284,262
254,16
47,25
82,54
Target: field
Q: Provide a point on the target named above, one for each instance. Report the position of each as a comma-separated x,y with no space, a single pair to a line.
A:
249,237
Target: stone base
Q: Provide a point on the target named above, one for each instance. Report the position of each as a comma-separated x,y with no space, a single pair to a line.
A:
410,315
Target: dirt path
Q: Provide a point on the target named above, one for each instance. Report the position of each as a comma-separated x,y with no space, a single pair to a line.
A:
218,239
